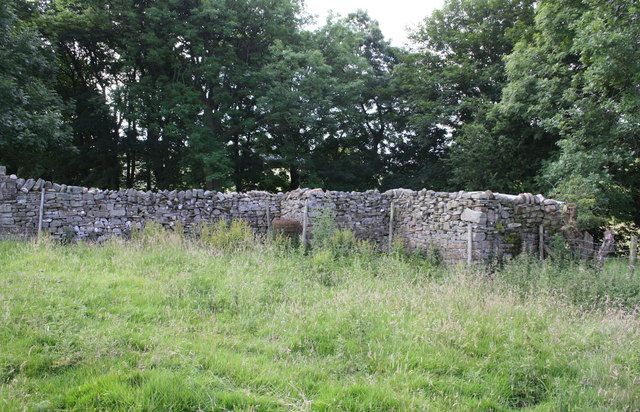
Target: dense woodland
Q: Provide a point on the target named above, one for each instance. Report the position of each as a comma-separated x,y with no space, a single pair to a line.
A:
508,95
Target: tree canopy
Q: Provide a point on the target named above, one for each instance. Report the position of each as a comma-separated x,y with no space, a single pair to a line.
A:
508,95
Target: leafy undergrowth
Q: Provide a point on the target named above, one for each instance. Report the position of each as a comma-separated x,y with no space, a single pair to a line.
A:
175,326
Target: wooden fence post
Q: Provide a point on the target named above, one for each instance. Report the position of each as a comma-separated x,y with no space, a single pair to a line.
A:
606,248
41,213
268,219
391,216
470,244
304,224
587,247
633,256
541,242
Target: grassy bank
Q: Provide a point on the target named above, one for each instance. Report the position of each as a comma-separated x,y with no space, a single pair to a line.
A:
165,325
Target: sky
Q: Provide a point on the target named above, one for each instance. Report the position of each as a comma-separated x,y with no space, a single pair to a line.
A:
393,15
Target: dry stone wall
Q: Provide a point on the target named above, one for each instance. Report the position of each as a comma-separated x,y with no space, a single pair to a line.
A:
364,213
501,225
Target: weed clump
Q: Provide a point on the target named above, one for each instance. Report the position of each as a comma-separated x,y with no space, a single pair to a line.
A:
329,238
232,237
154,233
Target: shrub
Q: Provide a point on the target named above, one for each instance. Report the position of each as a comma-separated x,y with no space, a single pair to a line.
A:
623,232
339,242
324,228
561,253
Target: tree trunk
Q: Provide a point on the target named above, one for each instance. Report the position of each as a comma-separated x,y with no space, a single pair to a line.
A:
295,177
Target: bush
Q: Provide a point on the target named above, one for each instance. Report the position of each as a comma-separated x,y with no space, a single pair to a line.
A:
561,253
623,232
324,228
339,242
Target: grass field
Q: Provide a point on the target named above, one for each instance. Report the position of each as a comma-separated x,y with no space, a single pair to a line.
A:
166,324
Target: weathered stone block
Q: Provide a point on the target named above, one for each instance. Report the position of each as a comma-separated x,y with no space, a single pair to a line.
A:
38,185
477,236
474,216
28,185
117,212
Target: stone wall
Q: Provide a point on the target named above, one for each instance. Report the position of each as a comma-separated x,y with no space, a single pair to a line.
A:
364,213
502,225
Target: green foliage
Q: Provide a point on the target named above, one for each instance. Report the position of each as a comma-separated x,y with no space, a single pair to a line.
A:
324,268
510,95
224,237
500,151
623,232
80,37
561,253
529,381
324,228
433,255
329,107
398,249
502,100
429,257
32,127
329,239
576,79
344,243
451,82
217,94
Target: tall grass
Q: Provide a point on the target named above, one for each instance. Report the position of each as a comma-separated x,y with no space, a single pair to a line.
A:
162,323
573,281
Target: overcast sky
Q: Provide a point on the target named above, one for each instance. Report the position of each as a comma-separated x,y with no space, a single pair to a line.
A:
393,15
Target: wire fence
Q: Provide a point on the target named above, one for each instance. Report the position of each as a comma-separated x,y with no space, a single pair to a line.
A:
609,250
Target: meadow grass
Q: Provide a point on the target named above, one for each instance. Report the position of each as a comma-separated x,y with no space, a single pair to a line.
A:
161,323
